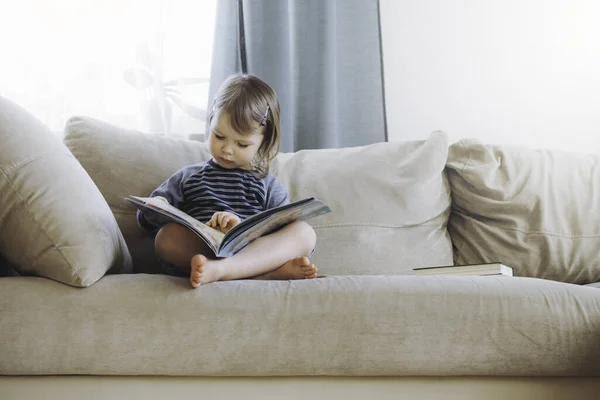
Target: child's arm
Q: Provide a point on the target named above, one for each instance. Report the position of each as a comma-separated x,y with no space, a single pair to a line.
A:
277,195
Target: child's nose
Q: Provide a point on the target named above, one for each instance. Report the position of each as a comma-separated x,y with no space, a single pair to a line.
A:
227,148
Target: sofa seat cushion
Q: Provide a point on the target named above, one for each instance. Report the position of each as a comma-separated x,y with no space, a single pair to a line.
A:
535,210
54,221
344,325
390,201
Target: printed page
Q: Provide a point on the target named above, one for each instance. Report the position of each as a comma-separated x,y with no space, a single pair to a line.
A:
211,236
233,243
255,219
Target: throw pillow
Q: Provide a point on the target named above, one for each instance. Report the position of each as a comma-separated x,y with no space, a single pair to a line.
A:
55,223
535,210
390,205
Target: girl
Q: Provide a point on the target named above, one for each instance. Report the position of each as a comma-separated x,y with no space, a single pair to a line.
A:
234,184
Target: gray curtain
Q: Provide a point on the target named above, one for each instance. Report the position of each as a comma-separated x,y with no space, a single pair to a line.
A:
322,57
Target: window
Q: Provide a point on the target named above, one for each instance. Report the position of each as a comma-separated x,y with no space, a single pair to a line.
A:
140,64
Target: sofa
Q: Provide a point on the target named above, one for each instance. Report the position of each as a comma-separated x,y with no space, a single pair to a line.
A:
88,311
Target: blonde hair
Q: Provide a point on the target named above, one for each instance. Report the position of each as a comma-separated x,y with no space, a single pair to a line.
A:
253,107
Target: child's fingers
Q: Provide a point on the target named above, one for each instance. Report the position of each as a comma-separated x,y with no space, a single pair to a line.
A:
223,220
213,221
233,221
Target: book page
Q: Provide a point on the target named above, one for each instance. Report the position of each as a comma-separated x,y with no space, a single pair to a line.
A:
211,236
215,235
257,218
269,223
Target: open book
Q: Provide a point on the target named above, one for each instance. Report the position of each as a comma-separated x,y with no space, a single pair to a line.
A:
227,244
467,270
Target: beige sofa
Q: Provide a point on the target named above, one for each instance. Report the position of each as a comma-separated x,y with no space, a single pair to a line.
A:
86,311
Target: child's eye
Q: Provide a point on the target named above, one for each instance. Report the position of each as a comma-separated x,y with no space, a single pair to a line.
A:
219,137
243,146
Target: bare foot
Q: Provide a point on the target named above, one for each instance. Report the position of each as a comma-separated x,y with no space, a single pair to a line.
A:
203,270
298,268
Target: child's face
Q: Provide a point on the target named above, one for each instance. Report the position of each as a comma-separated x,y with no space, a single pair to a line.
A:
229,148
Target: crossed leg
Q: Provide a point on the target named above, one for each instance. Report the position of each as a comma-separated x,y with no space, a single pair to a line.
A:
279,255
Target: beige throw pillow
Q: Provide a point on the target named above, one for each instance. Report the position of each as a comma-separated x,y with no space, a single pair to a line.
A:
535,210
390,201
54,221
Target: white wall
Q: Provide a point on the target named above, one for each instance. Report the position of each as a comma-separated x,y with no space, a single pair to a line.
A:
523,72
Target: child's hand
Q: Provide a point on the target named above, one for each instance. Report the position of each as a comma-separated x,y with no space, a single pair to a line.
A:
161,199
223,221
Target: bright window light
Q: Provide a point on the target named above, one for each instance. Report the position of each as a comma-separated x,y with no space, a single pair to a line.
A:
141,64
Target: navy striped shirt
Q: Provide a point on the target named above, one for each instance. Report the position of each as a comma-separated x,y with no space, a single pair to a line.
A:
203,189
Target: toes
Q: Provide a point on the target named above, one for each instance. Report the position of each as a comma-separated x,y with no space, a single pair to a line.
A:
302,262
197,269
196,275
310,272
198,260
310,269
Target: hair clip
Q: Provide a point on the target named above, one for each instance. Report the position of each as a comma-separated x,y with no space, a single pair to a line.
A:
263,121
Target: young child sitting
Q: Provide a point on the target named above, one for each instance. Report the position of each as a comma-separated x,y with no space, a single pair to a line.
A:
233,185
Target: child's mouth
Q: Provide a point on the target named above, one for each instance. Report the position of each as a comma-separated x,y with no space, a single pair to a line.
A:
225,161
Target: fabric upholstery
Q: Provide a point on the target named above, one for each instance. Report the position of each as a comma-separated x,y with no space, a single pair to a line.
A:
390,204
340,325
54,221
535,210
390,201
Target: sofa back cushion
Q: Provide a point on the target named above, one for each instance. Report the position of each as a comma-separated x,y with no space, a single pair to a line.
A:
53,220
390,201
390,205
124,162
535,210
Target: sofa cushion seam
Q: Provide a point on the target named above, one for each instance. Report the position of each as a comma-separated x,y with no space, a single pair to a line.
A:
542,232
17,166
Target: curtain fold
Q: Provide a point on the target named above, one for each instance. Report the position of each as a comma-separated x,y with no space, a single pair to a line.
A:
323,58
